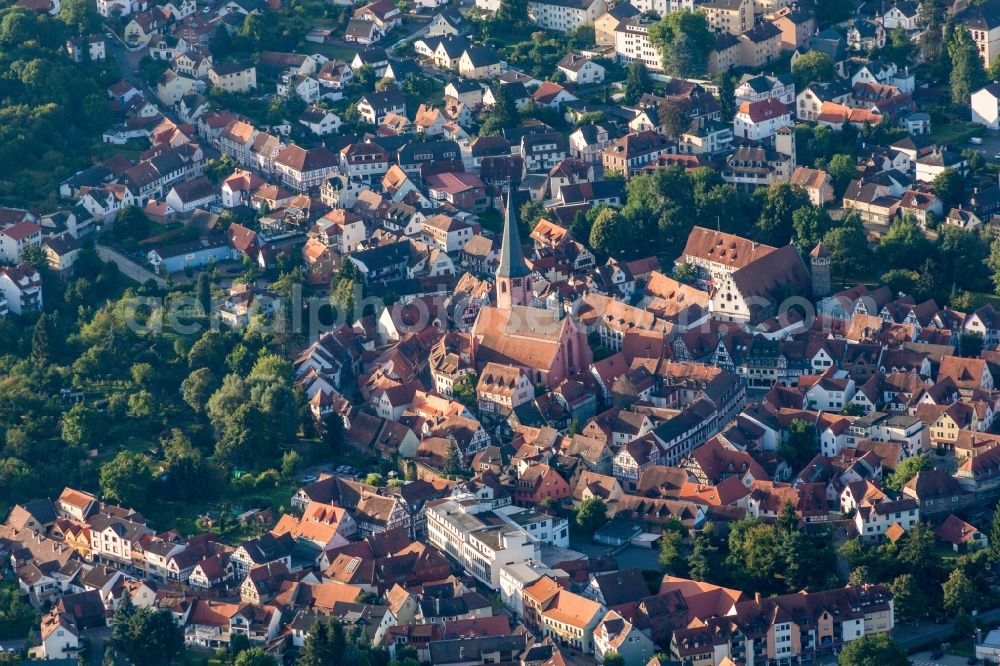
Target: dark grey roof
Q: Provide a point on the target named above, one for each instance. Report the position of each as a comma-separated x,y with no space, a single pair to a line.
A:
415,152
373,55
42,510
829,42
622,587
762,32
454,45
267,548
983,17
472,649
623,11
359,28
511,252
482,56
403,68
383,255
466,85
829,90
385,101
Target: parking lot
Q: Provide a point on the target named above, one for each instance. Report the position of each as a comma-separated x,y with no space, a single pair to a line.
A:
925,659
989,149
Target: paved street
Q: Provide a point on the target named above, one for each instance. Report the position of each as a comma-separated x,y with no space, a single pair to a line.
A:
924,659
911,635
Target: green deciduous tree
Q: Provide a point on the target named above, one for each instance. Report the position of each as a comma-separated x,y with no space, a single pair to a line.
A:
993,263
872,650
502,115
146,637
126,479
684,41
325,644
79,426
994,538
961,259
291,461
931,18
899,47
254,657
591,514
967,73
530,213
958,593
800,445
333,432
906,470
812,67
607,234
131,223
810,226
636,82
705,561
80,17
613,659
670,550
777,205
900,280
453,461
198,387
513,12
842,170
904,246
908,600
950,186
993,71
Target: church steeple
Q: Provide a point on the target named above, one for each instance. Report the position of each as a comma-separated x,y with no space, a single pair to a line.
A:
512,274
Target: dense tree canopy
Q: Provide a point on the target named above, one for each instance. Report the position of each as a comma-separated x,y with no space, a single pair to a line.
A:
872,650
49,105
684,41
813,67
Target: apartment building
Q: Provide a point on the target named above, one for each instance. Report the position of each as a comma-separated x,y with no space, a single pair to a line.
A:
565,15
459,527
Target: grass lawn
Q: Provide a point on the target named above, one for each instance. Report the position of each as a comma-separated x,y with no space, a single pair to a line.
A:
947,554
183,516
956,133
130,149
980,298
334,51
191,657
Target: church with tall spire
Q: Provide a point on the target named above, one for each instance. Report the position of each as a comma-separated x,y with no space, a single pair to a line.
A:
512,285
546,344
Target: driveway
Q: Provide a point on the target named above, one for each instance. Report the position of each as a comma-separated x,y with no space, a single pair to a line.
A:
98,638
128,267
